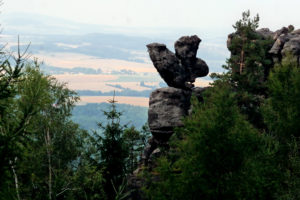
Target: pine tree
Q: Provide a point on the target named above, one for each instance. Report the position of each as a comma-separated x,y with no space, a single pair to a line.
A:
112,150
12,123
248,66
136,142
249,61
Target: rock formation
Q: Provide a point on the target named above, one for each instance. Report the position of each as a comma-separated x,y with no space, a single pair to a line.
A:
178,69
167,106
286,41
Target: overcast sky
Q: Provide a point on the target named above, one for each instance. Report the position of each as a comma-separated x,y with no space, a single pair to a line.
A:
211,15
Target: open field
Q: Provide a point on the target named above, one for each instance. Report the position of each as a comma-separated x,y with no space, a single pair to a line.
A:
71,60
87,81
98,82
104,82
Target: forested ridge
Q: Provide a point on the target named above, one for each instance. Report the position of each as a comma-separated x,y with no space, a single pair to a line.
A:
240,141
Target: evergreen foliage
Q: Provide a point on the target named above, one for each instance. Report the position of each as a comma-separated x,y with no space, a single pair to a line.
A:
282,108
44,154
40,144
219,155
281,113
117,150
112,150
242,142
12,121
248,66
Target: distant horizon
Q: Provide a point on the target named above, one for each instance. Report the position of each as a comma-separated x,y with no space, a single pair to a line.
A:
76,40
140,17
141,31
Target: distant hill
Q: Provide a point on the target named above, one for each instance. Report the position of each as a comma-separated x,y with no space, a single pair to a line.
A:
50,35
87,116
72,50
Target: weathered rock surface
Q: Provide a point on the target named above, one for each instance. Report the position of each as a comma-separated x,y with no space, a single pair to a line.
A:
181,69
167,107
278,45
292,46
282,31
286,41
296,32
186,49
265,32
168,65
286,44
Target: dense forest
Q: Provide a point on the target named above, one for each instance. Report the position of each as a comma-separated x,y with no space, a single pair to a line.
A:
240,142
44,154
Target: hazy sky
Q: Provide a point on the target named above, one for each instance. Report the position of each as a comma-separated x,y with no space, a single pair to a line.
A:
205,14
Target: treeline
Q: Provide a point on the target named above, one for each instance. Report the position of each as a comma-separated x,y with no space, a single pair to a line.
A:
125,92
89,114
75,70
83,70
242,141
44,154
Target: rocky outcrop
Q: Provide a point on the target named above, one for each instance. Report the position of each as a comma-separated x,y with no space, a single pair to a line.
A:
292,45
167,106
178,69
286,41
